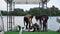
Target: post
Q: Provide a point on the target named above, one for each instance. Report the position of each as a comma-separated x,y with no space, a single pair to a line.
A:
2,27
13,13
39,7
9,16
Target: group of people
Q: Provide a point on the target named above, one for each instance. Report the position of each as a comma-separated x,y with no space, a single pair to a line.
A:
42,22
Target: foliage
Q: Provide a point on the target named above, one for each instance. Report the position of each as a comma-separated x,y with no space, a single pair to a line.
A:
52,11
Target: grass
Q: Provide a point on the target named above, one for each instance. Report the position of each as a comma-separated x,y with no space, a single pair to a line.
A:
48,32
11,33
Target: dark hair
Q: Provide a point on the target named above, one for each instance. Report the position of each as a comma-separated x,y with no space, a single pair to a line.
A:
31,16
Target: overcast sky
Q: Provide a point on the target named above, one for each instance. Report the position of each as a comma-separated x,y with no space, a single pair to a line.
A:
56,3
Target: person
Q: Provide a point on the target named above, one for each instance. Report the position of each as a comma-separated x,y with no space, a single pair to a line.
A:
43,21
35,27
28,21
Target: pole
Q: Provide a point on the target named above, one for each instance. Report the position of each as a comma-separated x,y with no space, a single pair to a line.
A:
39,7
7,15
13,13
2,21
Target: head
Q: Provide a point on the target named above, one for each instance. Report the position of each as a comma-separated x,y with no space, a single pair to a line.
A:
44,16
31,16
36,17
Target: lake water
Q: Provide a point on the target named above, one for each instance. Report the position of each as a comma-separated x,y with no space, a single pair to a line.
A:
52,23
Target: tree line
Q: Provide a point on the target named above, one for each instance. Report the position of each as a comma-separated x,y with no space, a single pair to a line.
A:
52,11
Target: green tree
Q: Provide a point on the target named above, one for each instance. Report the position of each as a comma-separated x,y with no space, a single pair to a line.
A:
18,12
4,13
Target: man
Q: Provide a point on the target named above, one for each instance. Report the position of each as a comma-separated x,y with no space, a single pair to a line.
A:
28,21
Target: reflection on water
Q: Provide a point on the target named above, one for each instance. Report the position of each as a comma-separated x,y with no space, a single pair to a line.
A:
52,23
